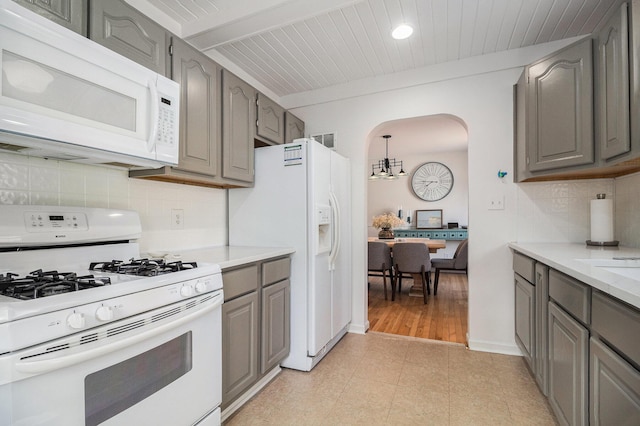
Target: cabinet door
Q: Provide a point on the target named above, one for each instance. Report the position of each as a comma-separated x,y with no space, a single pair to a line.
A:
525,319
238,129
199,79
71,14
542,327
568,366
239,346
275,324
614,387
121,28
612,85
270,120
560,109
294,128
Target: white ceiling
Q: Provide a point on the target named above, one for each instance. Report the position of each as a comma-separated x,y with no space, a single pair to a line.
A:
294,46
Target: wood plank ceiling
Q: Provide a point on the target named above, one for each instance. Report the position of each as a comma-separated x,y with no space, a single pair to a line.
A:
293,46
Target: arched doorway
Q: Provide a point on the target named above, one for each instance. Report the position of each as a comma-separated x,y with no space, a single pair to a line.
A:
440,138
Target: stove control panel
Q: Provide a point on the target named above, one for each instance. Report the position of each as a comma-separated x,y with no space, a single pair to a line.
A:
47,222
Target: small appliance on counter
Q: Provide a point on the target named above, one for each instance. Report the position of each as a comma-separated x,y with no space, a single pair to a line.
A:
90,333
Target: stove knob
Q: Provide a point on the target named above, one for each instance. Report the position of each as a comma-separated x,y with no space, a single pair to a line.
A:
186,291
76,320
201,287
104,313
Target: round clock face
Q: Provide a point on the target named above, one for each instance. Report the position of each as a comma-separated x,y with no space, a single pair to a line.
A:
432,181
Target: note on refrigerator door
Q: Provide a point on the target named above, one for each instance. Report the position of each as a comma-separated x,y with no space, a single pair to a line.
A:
292,155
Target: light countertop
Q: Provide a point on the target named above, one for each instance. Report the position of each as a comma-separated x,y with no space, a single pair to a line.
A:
229,256
563,257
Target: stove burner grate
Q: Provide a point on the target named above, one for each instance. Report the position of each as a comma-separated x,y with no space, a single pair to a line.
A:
39,283
142,267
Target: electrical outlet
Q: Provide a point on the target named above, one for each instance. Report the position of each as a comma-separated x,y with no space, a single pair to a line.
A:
177,219
496,203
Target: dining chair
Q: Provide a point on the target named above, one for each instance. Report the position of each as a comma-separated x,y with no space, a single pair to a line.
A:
457,263
380,263
413,258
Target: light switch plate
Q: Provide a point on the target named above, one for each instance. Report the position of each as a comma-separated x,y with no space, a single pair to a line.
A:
177,219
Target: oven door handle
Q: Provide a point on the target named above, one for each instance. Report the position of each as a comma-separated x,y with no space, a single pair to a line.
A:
44,366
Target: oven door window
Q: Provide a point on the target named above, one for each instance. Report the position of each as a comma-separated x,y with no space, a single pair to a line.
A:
112,390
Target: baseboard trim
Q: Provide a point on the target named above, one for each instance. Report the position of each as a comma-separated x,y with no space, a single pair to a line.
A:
238,403
484,346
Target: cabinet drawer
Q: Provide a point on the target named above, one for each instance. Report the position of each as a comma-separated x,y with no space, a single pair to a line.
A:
275,270
571,294
618,324
239,281
524,266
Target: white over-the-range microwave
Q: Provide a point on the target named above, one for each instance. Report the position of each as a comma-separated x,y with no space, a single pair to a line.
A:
63,96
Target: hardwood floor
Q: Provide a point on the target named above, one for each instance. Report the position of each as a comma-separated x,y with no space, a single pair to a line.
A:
443,318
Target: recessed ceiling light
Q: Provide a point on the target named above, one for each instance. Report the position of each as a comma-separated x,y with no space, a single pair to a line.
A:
402,31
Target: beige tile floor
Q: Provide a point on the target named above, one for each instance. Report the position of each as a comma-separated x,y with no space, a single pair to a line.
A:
380,379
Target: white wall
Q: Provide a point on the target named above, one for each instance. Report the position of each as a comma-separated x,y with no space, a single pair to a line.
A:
484,104
30,180
387,195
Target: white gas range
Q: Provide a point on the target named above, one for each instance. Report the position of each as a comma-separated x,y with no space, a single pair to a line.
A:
84,319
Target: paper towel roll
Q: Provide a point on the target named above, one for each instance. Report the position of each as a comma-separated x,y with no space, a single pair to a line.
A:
601,220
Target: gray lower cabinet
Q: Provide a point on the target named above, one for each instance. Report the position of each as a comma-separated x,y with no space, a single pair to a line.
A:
255,323
71,14
568,367
239,345
525,319
614,387
275,324
270,123
559,109
121,28
238,128
293,127
541,371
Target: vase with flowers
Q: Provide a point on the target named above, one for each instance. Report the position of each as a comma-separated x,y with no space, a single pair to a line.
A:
385,222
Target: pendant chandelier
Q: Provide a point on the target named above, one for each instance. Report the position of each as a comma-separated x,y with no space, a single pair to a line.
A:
383,169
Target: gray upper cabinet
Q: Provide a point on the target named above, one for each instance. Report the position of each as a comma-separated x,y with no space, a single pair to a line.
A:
68,13
560,109
199,79
270,125
294,127
121,28
612,84
238,128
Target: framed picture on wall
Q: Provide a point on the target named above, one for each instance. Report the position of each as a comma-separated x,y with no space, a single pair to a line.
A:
429,219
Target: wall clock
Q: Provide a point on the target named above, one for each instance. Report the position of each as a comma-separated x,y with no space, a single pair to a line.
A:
432,181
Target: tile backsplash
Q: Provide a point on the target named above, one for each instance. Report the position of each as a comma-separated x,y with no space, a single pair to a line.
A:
30,180
559,211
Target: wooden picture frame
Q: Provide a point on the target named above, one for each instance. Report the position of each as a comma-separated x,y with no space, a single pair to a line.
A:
429,219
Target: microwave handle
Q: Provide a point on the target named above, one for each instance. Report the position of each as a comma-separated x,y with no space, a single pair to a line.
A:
45,366
155,116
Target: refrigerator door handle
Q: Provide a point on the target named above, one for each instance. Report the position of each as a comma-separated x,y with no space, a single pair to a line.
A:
335,227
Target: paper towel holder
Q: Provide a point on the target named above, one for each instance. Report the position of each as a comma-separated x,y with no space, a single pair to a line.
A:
602,243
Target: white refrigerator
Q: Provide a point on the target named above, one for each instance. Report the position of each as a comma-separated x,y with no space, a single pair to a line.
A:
301,199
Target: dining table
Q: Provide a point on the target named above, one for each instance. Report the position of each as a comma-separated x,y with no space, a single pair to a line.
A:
433,246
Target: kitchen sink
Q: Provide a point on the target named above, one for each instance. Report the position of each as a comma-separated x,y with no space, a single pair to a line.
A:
625,266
